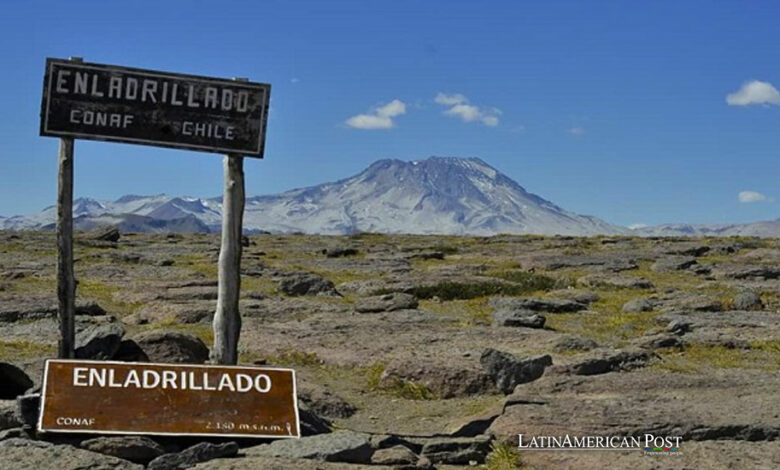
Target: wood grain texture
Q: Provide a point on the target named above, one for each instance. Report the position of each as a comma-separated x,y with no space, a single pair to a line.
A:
66,283
227,319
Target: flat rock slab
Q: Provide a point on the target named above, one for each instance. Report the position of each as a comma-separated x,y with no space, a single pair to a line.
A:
455,450
339,446
537,304
386,303
138,449
618,282
278,463
711,455
693,406
745,325
191,456
673,263
173,347
508,371
519,318
22,454
444,380
606,360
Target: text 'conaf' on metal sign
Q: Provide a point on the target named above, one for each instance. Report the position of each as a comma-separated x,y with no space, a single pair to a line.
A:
120,104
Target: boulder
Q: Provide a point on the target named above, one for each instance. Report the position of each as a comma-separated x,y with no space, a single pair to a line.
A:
386,303
754,272
396,455
324,403
191,456
692,302
8,417
340,446
138,449
574,343
173,347
684,249
339,252
602,362
537,304
456,450
641,304
578,295
14,381
308,284
507,371
100,341
40,455
673,263
28,408
660,341
445,381
679,326
311,423
521,318
747,300
109,234
618,282
89,308
129,351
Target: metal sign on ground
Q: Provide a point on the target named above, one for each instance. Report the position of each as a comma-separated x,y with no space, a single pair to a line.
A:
121,104
168,399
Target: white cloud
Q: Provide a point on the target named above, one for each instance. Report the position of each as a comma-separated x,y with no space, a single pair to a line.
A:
380,117
459,107
449,100
576,131
754,92
637,226
753,196
295,80
392,109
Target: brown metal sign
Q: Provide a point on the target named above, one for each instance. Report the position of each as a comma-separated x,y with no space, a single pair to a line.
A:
120,104
168,399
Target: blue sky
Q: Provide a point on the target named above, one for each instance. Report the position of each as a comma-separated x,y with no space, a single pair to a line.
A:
615,109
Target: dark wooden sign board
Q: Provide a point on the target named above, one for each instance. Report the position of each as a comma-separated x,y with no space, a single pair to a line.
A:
168,399
122,104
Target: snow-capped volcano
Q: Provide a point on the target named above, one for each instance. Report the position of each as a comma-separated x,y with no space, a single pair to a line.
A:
437,195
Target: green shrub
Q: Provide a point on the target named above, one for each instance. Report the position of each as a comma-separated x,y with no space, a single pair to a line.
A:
502,456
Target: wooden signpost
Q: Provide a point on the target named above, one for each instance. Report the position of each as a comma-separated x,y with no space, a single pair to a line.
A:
168,399
121,104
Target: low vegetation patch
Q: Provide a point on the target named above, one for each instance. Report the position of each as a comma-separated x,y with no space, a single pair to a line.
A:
502,456
406,389
18,350
450,290
763,355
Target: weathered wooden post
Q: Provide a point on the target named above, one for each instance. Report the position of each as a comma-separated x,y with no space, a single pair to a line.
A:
227,319
66,283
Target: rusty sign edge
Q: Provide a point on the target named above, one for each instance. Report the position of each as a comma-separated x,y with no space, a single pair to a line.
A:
136,433
251,153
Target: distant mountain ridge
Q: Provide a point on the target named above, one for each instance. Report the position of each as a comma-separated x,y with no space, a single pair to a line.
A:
438,195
